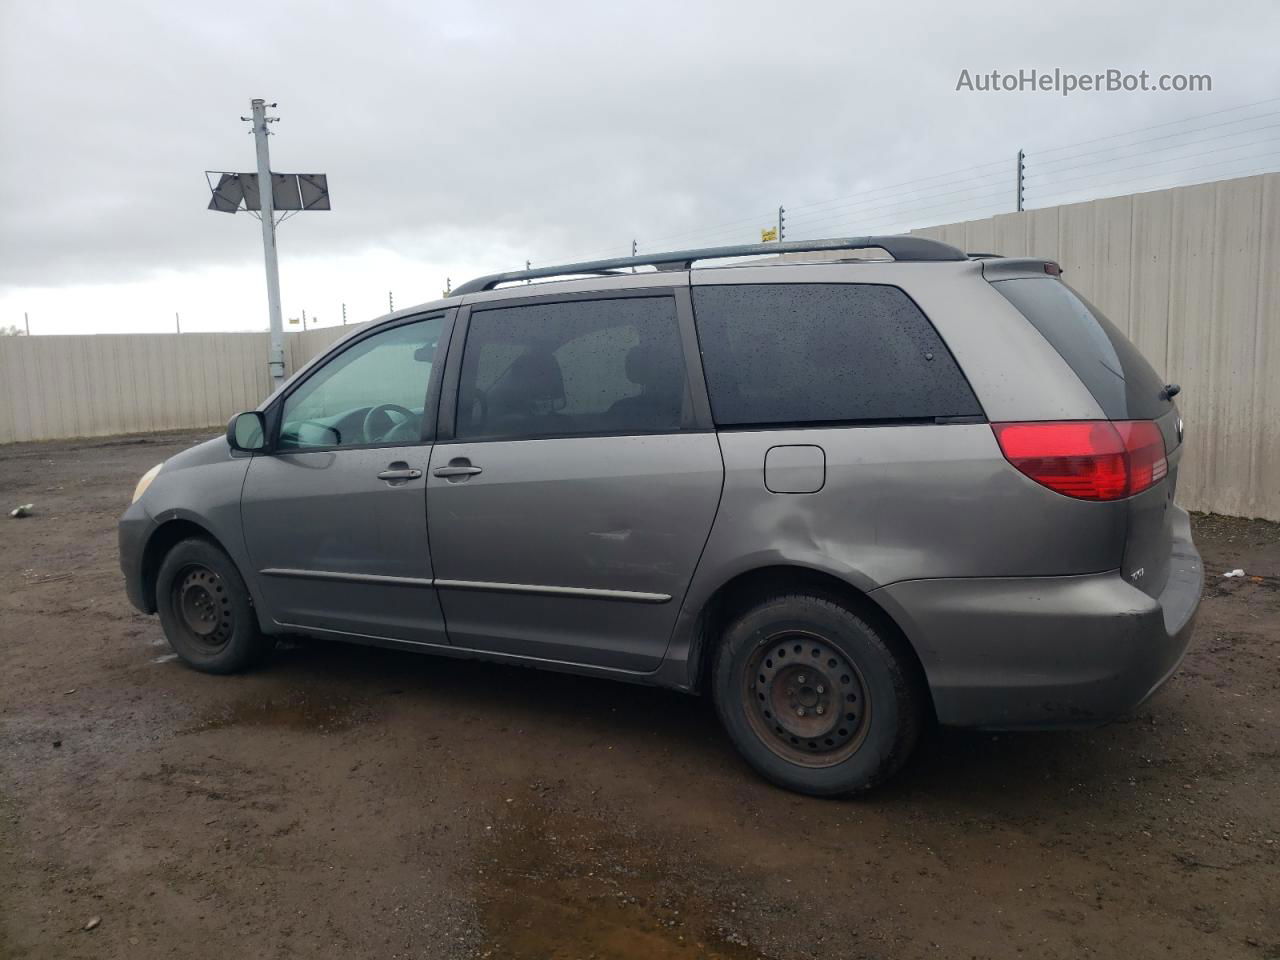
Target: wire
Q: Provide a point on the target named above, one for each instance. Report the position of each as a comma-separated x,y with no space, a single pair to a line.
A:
907,213
928,203
1181,133
1157,126
865,194
905,183
1268,168
1190,156
892,199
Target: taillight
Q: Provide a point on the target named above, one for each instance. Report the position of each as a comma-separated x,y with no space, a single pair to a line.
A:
1087,459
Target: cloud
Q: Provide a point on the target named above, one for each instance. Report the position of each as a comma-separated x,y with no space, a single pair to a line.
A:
464,133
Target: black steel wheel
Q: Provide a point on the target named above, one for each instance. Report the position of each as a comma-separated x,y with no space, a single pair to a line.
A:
206,610
806,699
817,697
203,606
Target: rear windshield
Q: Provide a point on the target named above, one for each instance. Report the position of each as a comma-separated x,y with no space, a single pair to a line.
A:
824,353
1119,377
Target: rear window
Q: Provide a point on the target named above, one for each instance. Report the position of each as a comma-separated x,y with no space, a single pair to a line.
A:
1107,363
824,353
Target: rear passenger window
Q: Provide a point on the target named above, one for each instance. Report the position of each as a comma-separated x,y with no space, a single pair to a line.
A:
575,368
1107,363
824,353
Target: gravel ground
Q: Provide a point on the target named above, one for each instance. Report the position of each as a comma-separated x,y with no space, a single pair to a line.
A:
368,803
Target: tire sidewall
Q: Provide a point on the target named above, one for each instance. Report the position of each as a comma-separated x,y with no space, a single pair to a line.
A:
245,646
889,731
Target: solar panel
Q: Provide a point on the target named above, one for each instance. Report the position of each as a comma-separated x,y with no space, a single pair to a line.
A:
289,191
227,194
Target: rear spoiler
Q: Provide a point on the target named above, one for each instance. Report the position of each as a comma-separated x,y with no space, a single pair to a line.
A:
1009,268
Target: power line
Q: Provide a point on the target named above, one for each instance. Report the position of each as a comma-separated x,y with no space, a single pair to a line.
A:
907,212
1190,156
1267,168
905,183
1157,126
1173,146
883,201
865,194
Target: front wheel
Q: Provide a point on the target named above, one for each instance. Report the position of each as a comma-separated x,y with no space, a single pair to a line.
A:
814,697
205,609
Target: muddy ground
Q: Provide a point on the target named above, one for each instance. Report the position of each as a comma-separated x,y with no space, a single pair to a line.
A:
349,802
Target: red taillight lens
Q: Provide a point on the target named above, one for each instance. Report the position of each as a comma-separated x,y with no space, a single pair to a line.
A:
1087,459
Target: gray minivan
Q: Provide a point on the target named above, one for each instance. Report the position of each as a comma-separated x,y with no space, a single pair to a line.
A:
846,497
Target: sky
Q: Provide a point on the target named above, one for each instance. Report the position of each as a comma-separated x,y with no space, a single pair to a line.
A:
462,139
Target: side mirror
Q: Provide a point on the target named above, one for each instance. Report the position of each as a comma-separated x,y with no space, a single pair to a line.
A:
247,432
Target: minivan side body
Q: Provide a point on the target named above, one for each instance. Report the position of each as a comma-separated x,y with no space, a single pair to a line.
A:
539,511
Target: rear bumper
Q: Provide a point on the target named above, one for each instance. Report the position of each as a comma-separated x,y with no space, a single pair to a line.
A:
1035,652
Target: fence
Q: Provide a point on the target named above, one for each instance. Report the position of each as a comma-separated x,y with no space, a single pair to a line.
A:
102,384
1192,274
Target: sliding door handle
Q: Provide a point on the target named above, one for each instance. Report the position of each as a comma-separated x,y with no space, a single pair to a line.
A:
458,469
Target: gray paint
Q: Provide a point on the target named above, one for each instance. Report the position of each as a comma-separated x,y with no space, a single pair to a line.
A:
601,554
601,513
327,511
795,468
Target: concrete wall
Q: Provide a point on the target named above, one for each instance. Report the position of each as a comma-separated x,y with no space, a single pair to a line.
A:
102,384
1192,275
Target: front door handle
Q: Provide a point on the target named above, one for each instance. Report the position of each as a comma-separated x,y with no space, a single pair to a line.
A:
458,469
399,473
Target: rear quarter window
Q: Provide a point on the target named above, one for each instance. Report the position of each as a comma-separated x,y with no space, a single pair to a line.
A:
824,353
1107,363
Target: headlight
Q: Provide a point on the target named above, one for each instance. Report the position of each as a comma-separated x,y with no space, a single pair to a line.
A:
145,482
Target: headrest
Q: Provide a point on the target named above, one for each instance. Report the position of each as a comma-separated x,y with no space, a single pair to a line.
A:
649,365
535,376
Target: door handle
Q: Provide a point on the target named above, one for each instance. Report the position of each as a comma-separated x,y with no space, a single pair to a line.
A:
457,470
396,473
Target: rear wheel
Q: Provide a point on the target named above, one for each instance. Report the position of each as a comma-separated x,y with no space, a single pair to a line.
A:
814,697
206,611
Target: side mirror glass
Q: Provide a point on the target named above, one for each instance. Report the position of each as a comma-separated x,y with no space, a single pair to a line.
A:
247,432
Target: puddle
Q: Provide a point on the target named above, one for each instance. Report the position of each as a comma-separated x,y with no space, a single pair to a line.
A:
300,711
556,886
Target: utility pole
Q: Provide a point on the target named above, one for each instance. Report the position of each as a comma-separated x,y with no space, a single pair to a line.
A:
344,314
275,355
633,251
1021,170
177,320
391,303
782,220
304,321
27,320
527,265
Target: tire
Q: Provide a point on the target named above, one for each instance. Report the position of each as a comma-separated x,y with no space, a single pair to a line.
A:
814,697
205,609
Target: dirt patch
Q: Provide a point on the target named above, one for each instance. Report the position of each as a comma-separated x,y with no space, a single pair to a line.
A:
345,801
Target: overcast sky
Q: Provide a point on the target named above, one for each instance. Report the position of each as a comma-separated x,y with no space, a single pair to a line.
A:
460,139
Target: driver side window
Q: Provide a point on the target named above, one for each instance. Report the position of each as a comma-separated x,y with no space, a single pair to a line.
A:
374,392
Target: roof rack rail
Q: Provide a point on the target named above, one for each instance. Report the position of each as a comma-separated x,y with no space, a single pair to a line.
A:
899,247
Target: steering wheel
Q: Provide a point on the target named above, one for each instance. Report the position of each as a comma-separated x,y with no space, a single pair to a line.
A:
385,410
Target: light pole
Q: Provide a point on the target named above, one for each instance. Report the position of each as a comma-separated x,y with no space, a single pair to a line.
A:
275,355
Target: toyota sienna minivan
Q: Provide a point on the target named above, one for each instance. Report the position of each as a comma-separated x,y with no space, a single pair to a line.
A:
847,498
